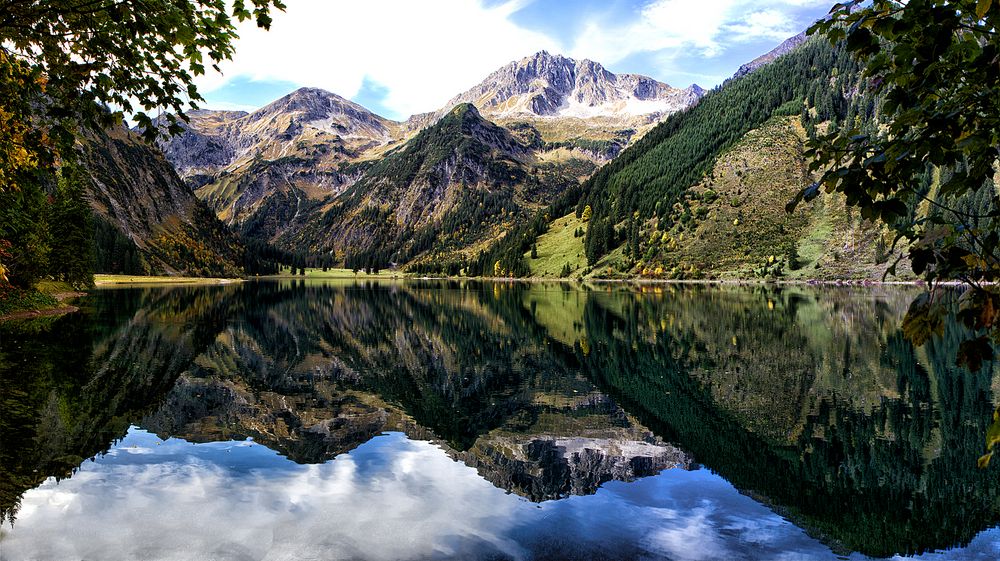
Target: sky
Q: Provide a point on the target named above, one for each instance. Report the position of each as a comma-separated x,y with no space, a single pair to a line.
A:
400,57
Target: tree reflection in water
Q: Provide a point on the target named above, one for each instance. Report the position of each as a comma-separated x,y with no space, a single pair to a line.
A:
808,399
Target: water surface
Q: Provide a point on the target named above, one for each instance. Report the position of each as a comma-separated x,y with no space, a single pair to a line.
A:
418,420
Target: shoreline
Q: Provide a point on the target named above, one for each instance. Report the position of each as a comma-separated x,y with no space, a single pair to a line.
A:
60,297
125,281
113,280
721,282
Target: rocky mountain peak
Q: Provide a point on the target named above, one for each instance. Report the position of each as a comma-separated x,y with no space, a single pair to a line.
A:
550,85
311,104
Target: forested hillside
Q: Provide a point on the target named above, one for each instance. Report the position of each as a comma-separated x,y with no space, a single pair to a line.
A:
456,186
703,194
653,175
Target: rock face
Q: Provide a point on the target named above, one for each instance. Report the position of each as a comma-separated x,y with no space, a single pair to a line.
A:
139,195
308,122
542,467
556,86
787,46
290,150
203,147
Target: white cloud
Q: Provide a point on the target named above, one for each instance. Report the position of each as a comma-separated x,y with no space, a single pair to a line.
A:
770,24
422,52
664,24
389,499
399,499
673,28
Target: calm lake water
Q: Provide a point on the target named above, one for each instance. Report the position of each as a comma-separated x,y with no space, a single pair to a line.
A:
445,420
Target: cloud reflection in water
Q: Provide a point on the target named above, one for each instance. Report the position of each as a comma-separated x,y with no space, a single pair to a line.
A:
391,498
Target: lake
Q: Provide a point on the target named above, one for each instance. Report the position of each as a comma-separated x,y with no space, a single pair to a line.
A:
470,420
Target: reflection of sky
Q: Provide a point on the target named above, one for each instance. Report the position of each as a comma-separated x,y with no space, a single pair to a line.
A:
391,498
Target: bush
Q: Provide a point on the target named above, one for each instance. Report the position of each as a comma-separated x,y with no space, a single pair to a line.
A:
13,299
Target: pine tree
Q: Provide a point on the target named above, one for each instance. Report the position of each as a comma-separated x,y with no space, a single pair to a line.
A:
71,229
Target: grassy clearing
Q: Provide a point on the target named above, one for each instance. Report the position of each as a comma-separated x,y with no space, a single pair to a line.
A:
54,287
338,274
558,247
138,279
44,300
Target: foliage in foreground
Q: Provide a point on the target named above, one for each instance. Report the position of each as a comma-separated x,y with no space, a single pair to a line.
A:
63,63
933,63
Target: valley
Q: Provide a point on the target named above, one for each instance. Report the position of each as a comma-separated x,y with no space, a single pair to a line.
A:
551,167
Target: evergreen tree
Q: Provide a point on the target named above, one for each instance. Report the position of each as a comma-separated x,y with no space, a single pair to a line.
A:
71,257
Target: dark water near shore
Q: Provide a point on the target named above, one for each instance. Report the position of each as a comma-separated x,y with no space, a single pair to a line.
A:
446,420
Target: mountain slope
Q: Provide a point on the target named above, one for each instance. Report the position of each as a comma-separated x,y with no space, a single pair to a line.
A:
736,225
786,46
652,176
457,184
148,219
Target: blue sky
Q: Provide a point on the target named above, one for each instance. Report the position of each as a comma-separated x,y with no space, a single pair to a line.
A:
399,57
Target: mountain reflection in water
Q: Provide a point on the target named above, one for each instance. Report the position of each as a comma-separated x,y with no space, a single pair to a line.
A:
256,412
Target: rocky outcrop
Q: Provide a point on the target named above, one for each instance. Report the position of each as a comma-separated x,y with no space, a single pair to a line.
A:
786,46
308,123
549,467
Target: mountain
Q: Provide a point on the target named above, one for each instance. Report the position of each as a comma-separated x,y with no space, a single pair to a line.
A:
292,149
456,185
556,86
703,193
572,103
694,183
282,173
148,220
